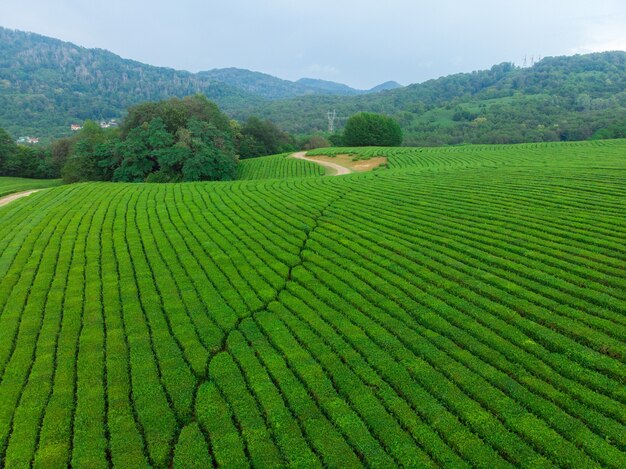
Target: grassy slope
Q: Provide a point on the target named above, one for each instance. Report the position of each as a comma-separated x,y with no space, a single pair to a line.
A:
463,308
9,185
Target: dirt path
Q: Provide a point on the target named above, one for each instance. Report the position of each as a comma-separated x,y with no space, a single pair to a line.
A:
337,168
18,195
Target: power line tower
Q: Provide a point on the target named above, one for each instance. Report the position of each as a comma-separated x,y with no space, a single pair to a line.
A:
332,115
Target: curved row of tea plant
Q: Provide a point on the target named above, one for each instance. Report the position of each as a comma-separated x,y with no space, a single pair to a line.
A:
472,316
534,154
277,166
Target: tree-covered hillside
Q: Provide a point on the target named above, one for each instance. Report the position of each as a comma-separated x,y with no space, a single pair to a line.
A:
273,88
46,84
561,98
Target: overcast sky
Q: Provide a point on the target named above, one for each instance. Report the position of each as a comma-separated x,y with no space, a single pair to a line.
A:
358,42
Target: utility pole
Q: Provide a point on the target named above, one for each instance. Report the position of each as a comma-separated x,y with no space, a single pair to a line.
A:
332,115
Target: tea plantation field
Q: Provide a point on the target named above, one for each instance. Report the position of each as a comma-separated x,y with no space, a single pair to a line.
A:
277,166
463,308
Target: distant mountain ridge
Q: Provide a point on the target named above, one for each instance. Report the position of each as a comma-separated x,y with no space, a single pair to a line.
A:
272,88
387,86
559,98
46,84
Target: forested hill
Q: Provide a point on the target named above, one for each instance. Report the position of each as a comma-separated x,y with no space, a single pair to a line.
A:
47,84
560,98
273,88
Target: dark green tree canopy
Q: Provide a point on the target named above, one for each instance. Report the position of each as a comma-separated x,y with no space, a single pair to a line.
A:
263,137
22,161
368,129
185,139
83,162
175,113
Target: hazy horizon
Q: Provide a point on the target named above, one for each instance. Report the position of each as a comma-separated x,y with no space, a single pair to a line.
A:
361,44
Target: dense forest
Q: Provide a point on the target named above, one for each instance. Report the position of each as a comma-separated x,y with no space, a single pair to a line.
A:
46,85
267,86
172,140
176,140
23,161
562,98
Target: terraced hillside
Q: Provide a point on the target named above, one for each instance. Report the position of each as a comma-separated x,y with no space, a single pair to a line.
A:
464,308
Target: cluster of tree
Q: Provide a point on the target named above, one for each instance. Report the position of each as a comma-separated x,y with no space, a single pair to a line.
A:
267,86
47,84
368,129
316,141
185,139
22,161
561,98
262,137
516,119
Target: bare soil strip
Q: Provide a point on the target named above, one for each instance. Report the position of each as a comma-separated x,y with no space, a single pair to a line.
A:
359,166
18,195
336,169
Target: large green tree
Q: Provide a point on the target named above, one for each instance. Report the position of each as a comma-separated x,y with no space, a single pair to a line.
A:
175,140
176,113
22,161
263,137
368,129
185,139
138,154
83,162
212,154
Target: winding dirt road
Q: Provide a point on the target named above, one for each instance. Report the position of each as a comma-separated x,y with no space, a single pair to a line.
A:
18,195
337,168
